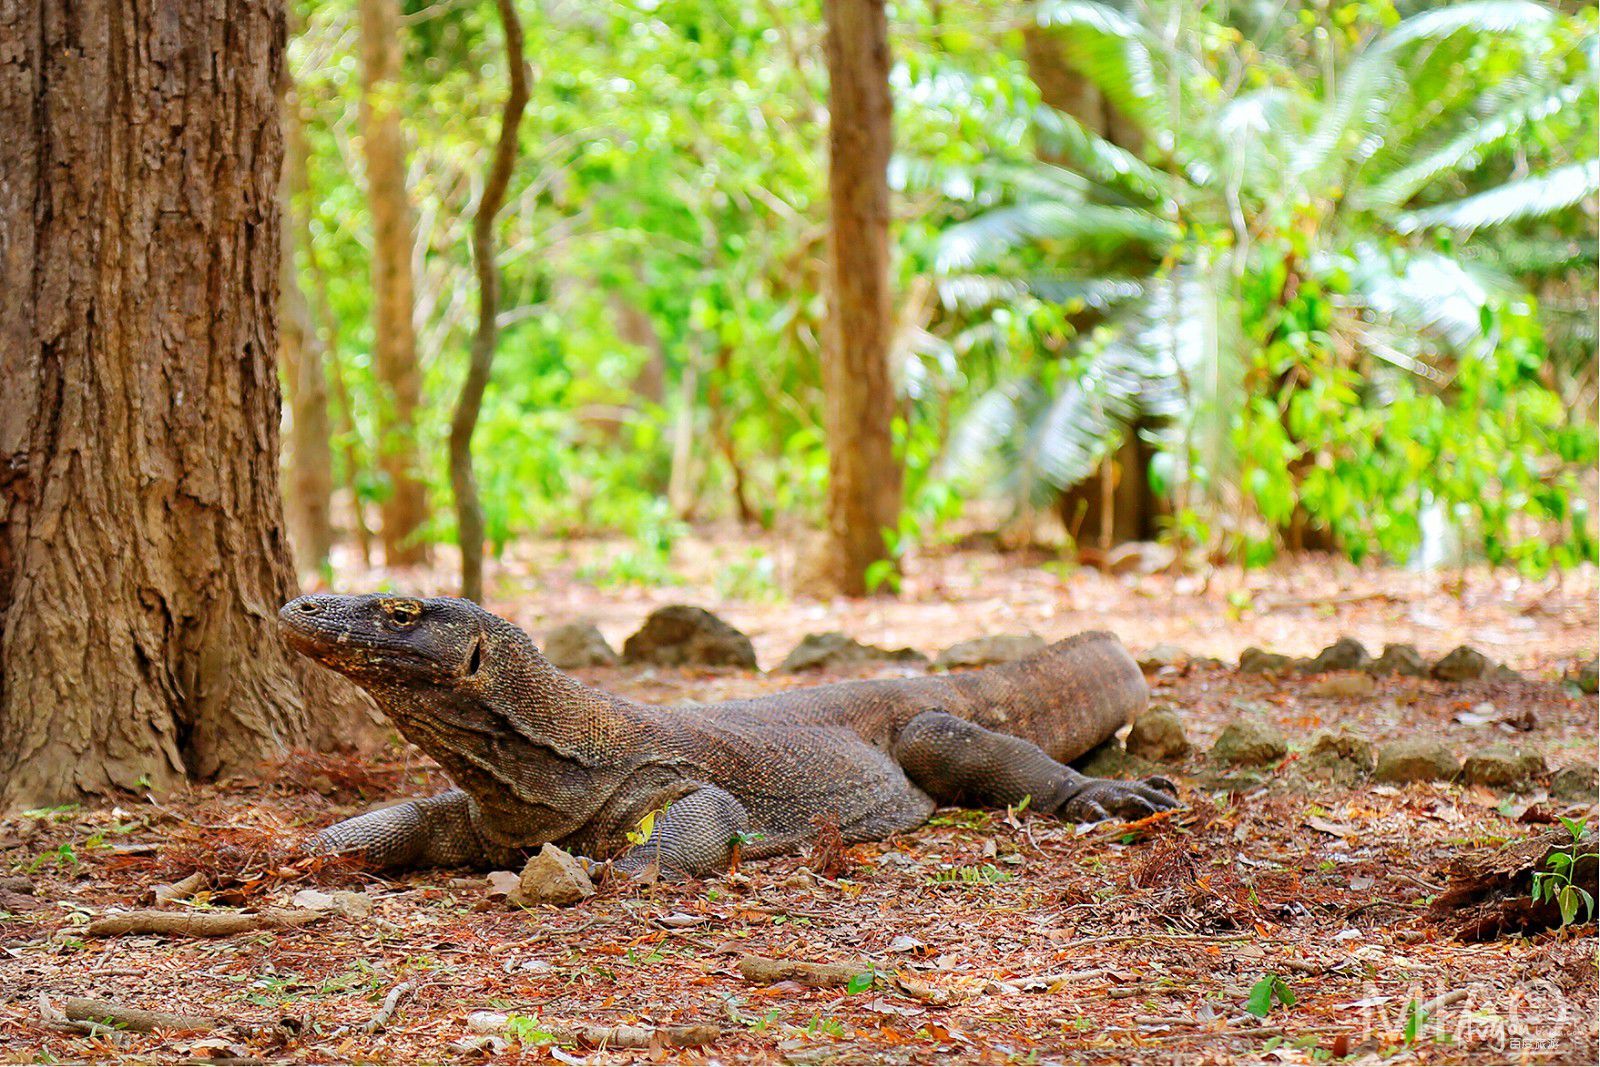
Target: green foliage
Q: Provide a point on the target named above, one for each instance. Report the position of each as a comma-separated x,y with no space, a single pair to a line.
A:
1262,995
1341,269
1556,884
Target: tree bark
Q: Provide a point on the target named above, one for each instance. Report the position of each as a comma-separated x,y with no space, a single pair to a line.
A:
394,351
309,496
469,511
863,475
142,548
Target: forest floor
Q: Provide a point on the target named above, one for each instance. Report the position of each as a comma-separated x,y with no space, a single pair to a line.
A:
987,936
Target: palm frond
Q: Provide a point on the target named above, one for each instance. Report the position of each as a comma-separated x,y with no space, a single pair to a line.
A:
1468,149
1535,196
1426,293
1111,49
967,292
993,234
1482,16
1061,135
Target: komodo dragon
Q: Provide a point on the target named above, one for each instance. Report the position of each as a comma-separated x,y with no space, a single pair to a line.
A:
540,757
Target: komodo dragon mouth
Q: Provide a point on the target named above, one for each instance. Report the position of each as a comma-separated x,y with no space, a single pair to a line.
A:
539,757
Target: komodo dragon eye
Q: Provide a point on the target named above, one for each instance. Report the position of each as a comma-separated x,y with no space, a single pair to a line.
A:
404,612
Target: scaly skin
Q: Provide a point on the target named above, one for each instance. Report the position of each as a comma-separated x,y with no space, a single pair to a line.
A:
539,757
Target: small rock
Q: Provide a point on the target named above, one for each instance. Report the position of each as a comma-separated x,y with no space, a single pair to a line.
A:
501,883
1399,659
553,877
987,651
898,859
352,905
834,650
1158,735
1250,741
1163,656
680,635
1417,759
1461,665
1345,654
1499,767
1585,676
578,644
1576,781
1256,661
1345,684
1344,755
313,900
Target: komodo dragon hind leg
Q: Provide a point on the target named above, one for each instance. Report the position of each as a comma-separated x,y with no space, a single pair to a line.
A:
694,836
429,832
956,761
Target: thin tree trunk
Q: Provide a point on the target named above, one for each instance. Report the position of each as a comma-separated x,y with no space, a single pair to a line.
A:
394,354
142,548
863,476
469,511
309,496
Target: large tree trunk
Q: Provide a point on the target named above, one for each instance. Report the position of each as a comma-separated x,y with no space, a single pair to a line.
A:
142,552
863,477
469,512
394,352
309,496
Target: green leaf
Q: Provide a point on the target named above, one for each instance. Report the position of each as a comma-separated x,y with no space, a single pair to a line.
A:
860,983
1536,196
1259,1002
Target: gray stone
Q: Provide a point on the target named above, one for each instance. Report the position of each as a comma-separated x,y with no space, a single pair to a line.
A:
1399,659
1586,675
987,651
1498,767
553,877
1251,740
1158,736
1345,654
1461,665
1163,656
1344,684
680,635
1343,756
834,650
1416,759
578,644
1576,781
1257,661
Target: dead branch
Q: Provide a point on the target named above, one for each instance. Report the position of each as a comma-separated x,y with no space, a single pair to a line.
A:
108,1013
390,1003
765,971
200,923
691,1036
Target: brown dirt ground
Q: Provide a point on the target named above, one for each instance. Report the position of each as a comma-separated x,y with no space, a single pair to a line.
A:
1051,942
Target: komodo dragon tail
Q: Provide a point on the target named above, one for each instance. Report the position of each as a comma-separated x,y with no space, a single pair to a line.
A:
1066,699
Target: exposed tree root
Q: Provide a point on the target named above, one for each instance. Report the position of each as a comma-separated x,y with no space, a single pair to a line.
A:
200,923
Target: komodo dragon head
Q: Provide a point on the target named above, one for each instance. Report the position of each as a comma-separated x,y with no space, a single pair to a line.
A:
385,643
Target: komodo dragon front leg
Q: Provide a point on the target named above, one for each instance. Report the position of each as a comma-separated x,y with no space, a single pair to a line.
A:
432,831
956,761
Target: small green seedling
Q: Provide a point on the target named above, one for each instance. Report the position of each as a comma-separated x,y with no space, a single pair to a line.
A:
1263,993
1556,884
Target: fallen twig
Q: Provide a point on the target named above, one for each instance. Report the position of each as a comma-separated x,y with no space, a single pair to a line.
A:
390,1003
764,971
200,923
691,1036
106,1013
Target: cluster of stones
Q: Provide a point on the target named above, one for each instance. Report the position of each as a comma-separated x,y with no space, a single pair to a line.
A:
1347,654
682,636
1158,736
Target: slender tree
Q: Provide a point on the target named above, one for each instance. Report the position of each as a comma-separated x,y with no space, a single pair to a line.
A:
308,496
394,353
863,476
142,547
469,512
